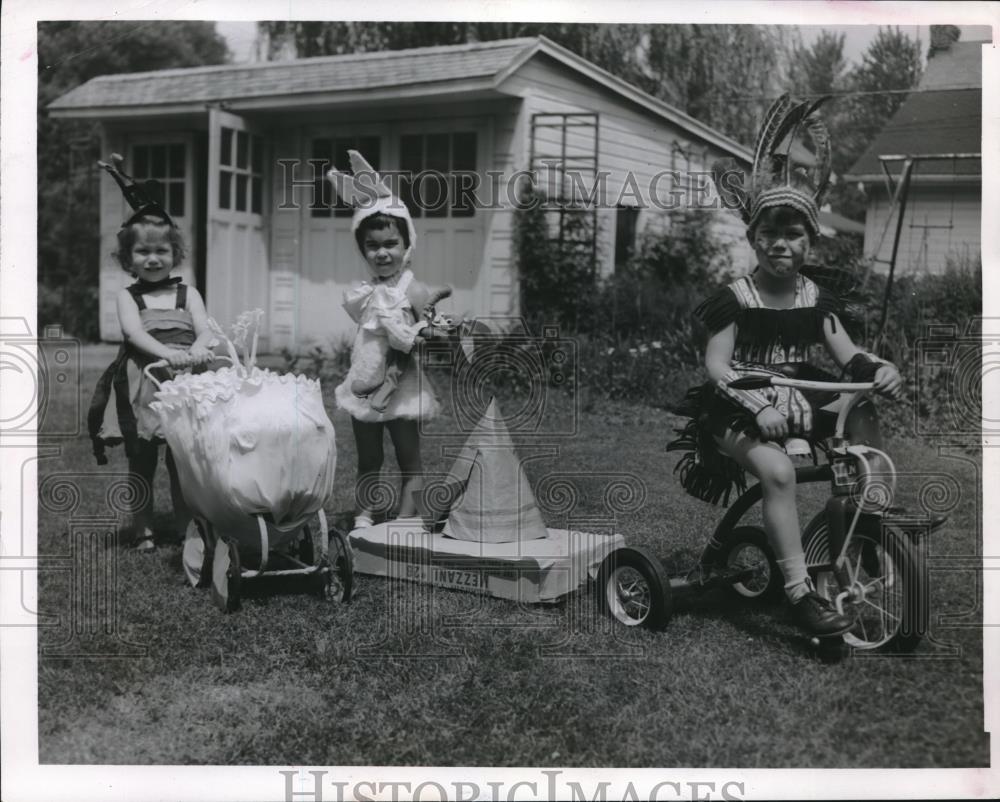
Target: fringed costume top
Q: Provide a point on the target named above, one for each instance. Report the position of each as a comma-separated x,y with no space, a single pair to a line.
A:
779,341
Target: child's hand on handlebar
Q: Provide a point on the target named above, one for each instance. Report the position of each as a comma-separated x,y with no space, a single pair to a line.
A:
772,424
200,355
888,382
179,359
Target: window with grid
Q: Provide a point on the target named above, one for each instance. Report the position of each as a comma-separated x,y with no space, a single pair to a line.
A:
241,168
438,173
328,153
167,164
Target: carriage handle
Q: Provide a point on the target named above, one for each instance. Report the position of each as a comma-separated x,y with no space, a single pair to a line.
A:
163,363
856,390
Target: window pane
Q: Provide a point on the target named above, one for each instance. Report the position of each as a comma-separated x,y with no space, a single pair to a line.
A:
463,151
256,154
411,153
226,147
463,197
175,203
177,159
437,152
242,149
225,189
343,163
322,150
241,192
256,194
340,158
158,161
370,147
140,169
433,196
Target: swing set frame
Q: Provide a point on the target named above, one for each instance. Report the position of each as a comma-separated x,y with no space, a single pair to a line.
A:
899,195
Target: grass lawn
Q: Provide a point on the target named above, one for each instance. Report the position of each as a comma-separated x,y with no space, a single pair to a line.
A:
417,676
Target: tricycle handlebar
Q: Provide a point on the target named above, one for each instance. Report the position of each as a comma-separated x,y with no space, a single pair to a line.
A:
761,380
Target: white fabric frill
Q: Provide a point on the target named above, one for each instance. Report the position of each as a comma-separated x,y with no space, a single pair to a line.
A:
249,442
383,314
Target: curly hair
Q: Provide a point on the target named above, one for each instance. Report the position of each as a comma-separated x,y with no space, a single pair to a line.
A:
129,234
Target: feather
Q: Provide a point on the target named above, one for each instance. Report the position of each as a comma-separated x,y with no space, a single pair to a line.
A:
730,182
803,112
766,140
820,136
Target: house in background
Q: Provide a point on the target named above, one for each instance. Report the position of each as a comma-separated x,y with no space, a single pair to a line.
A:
241,150
942,119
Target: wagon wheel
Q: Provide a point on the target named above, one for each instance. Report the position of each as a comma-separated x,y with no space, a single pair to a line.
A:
226,575
633,588
197,554
336,576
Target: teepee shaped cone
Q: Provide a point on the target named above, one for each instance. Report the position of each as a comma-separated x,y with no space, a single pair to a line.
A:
497,505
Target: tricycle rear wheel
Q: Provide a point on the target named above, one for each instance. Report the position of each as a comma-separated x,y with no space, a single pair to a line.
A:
745,549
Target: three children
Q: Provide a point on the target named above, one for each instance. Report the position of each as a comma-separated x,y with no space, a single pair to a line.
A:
771,320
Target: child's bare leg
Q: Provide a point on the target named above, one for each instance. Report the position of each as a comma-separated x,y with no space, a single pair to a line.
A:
769,463
405,436
772,467
142,469
182,515
368,439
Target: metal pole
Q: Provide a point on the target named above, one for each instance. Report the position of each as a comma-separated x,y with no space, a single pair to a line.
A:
904,186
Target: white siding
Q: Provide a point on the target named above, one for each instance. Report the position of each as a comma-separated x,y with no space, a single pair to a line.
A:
940,222
632,142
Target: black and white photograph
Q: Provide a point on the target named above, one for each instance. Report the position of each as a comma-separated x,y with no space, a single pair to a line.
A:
498,401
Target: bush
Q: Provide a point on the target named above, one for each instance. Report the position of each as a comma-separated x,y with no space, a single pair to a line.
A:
73,306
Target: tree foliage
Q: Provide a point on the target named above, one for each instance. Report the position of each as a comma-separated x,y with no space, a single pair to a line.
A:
700,69
69,54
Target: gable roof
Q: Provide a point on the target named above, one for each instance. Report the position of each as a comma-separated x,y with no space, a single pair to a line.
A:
943,115
479,66
355,71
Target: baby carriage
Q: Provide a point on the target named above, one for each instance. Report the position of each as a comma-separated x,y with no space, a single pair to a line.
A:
256,456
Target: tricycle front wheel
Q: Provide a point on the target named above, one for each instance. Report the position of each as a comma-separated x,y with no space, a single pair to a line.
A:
634,589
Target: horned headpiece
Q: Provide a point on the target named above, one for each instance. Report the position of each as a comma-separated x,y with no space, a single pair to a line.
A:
369,193
145,199
776,180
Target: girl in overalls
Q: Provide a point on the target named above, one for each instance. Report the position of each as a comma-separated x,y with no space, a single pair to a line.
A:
161,319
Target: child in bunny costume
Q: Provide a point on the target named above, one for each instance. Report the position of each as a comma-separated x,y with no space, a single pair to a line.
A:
385,388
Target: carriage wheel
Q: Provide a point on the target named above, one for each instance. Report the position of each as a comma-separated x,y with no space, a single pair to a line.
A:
226,575
336,583
197,555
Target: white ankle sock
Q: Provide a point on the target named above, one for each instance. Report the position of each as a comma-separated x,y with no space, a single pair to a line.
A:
797,582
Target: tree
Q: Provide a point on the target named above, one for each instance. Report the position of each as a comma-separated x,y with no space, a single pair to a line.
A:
820,68
700,69
69,54
892,62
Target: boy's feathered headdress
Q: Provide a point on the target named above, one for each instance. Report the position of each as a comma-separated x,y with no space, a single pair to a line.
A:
369,193
776,180
145,199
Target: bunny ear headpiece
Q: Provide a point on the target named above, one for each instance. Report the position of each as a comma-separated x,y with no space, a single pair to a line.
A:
776,180
369,193
145,199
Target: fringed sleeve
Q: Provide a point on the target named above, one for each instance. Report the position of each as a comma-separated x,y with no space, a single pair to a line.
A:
718,310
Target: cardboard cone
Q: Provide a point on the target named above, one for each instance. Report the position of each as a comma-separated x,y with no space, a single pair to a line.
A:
497,505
